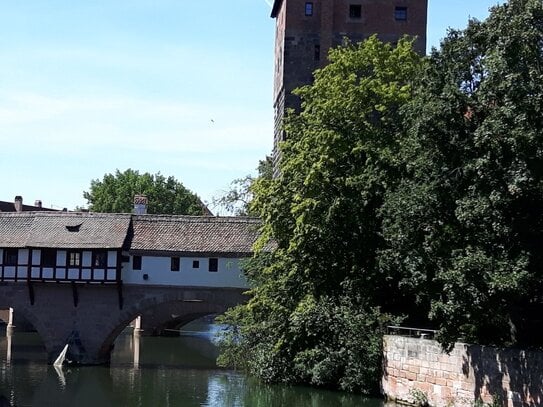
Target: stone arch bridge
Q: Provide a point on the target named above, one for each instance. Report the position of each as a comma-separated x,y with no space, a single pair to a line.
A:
91,326
81,278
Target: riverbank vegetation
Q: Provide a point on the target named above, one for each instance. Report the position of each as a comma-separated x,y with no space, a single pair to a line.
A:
410,191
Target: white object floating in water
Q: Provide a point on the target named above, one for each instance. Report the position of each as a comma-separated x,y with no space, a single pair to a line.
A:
61,357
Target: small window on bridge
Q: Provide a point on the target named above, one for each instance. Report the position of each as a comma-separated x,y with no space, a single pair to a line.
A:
196,264
99,259
48,258
174,264
74,259
11,256
214,265
136,263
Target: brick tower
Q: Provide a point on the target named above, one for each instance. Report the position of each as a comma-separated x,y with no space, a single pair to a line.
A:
306,30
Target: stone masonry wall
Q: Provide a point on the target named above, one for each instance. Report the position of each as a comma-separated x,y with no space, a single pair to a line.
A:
411,366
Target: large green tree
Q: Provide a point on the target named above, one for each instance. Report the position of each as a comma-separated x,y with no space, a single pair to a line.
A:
319,303
466,224
166,195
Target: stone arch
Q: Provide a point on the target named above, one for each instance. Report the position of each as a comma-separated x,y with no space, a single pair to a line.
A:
169,305
175,324
174,314
92,323
17,296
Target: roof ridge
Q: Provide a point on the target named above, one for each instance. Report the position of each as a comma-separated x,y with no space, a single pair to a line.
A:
25,214
196,219
83,215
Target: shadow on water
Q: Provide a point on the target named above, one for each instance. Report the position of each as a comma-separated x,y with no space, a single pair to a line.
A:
146,371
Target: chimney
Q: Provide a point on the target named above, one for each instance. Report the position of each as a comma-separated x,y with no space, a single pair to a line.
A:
37,203
140,204
18,203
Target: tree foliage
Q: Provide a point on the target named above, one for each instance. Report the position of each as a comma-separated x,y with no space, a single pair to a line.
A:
408,191
115,194
465,225
315,315
236,201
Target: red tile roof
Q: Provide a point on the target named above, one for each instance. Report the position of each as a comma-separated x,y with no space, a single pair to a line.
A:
193,235
63,230
156,234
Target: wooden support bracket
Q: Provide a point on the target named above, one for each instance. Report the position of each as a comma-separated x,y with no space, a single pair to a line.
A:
31,292
120,293
75,294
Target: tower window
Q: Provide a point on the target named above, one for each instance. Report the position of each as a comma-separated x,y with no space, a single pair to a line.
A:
317,52
400,13
308,9
355,11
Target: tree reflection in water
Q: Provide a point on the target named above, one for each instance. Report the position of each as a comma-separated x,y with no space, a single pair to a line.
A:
146,371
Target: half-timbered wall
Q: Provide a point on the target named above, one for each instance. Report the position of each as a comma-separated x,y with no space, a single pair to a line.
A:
30,266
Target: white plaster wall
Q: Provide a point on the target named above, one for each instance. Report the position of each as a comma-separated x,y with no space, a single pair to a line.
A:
111,258
86,259
9,272
47,272
35,272
23,256
36,256
61,257
159,273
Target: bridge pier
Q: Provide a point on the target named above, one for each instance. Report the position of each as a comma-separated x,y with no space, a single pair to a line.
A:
9,326
91,325
137,326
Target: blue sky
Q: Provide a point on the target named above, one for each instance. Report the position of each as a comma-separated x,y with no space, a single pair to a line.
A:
181,87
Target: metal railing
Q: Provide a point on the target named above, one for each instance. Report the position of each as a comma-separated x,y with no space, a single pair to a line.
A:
411,332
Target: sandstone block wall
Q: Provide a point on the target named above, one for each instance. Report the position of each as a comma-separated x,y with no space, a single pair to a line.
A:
411,366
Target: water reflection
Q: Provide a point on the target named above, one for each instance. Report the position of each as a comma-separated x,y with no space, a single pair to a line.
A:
145,371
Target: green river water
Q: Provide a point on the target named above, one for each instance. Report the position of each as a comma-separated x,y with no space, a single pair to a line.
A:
147,371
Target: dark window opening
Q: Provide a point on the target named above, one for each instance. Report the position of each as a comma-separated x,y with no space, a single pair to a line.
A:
317,52
355,11
99,259
195,264
48,258
125,259
309,9
136,263
11,257
74,259
213,265
400,13
174,264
